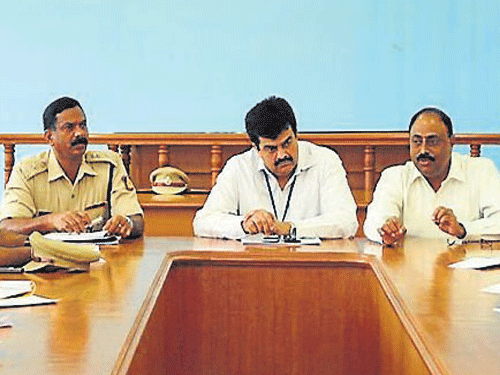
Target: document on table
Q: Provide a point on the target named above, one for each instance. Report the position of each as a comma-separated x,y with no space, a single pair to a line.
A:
5,322
12,288
492,289
29,300
495,289
260,239
99,238
16,293
477,263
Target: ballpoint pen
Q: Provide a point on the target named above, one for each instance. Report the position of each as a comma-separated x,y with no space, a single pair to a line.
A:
94,222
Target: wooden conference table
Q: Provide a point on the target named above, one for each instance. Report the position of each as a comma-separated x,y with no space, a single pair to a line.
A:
200,306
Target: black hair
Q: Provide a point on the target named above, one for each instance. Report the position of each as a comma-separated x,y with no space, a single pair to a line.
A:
443,116
56,107
269,118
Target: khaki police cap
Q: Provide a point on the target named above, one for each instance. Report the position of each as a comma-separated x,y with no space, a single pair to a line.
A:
168,181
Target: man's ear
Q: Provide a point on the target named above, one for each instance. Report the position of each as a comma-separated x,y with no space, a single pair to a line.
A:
48,136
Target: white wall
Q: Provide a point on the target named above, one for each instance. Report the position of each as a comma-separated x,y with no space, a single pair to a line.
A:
176,66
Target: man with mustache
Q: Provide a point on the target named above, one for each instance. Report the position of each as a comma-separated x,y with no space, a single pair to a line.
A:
438,193
280,186
66,188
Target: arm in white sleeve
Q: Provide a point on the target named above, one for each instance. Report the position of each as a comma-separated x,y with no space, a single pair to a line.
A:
338,208
220,215
387,202
489,203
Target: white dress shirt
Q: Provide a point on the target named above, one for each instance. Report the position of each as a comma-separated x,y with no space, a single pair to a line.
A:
321,203
471,190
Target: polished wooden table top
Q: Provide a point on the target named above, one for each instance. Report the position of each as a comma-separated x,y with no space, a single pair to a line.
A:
92,328
451,314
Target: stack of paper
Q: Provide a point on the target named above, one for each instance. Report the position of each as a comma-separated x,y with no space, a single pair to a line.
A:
99,238
15,293
477,263
493,289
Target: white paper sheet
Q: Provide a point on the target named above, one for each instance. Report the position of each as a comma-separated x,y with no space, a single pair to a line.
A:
100,238
492,289
11,288
5,322
477,263
29,300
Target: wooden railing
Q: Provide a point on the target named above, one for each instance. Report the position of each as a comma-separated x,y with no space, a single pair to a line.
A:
202,155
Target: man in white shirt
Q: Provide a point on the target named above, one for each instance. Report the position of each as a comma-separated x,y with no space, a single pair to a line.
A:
280,186
438,193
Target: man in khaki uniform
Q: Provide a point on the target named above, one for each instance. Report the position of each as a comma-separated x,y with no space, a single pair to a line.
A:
68,188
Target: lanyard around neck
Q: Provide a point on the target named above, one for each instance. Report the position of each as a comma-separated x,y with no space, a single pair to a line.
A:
272,197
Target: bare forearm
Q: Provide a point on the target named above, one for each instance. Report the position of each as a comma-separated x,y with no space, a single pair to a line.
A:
14,256
25,225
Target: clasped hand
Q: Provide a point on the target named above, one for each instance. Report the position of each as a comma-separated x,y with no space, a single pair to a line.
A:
262,221
79,221
446,220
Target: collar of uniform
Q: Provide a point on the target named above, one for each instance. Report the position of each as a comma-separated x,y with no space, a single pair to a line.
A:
456,171
55,171
87,168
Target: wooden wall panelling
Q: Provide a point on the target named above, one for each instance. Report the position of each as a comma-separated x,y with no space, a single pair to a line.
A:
195,160
352,159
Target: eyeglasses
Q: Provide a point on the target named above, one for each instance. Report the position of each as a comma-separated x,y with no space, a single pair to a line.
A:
431,141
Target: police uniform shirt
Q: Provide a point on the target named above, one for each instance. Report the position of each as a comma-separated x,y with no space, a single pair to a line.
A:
38,186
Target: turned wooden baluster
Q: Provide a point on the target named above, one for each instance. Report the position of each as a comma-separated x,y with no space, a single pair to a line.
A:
369,169
113,148
125,152
475,150
215,162
9,156
163,155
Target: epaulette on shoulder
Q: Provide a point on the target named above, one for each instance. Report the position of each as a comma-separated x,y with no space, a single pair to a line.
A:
34,165
102,157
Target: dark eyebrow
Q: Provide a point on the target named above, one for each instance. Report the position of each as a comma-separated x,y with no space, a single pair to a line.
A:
428,137
74,123
270,146
287,140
